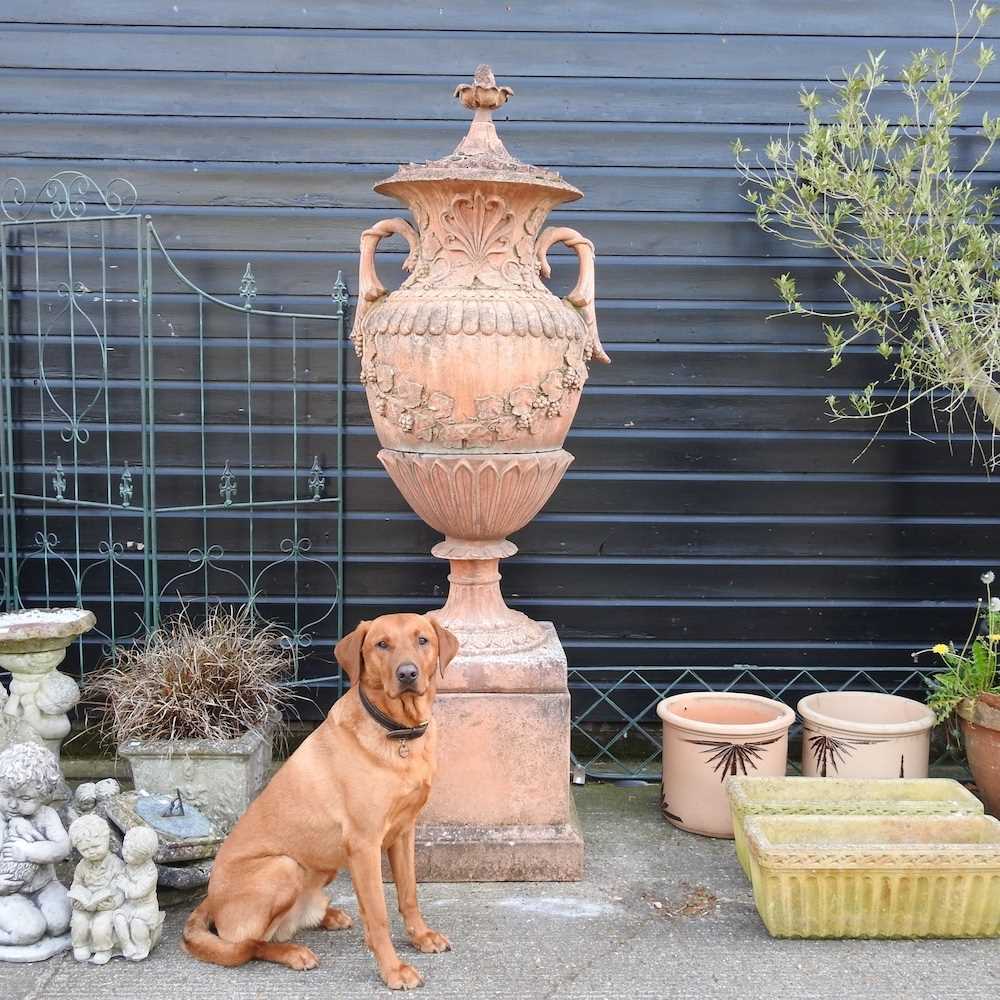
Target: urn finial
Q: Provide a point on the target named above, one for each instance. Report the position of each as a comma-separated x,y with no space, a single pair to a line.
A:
483,94
481,155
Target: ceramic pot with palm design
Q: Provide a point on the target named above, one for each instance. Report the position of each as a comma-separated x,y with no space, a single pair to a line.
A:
708,737
864,734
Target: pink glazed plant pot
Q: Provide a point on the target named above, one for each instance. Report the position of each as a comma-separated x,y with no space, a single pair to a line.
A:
864,734
709,736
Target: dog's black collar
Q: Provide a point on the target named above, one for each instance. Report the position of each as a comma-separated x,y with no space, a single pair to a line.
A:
392,728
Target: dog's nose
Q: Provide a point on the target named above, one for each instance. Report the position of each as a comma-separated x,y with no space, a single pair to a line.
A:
406,673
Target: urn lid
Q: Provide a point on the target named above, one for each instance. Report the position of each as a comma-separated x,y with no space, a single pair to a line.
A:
481,156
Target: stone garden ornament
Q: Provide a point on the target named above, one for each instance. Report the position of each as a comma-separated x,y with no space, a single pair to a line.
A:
32,644
473,368
115,911
34,906
473,371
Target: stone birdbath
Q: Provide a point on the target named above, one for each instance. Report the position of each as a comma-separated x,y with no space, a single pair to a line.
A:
32,644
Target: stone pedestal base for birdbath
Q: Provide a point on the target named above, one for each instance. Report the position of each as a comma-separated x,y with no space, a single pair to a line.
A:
32,644
501,808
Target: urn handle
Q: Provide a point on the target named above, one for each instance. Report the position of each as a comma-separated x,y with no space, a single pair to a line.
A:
582,296
370,289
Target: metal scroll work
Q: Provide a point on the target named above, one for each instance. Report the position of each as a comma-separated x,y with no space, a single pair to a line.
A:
162,446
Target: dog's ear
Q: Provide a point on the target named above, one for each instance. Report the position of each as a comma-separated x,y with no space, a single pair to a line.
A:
447,644
348,652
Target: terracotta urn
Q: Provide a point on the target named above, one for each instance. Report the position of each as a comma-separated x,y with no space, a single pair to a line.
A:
708,737
864,734
980,722
473,368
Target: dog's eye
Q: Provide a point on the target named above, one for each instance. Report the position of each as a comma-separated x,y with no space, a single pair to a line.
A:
422,640
382,644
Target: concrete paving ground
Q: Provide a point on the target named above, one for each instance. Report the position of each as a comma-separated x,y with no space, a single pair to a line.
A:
604,937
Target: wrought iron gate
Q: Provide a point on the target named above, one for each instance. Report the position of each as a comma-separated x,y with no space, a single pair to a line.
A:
144,419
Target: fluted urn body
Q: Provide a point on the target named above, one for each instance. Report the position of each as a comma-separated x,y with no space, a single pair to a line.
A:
473,368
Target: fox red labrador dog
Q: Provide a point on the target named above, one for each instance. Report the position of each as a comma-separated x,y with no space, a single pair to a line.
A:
352,789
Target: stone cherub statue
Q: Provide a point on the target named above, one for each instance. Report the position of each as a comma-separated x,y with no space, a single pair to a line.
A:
96,891
91,797
139,921
83,803
42,702
34,907
13,728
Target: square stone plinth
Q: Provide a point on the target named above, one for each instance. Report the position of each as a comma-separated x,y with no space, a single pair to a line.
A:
503,760
456,853
501,809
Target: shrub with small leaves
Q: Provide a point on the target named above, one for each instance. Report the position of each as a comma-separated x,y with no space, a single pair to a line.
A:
914,233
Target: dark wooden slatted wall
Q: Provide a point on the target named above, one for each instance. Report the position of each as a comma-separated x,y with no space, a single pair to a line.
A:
713,515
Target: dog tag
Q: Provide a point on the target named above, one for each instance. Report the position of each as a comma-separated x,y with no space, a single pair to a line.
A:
404,750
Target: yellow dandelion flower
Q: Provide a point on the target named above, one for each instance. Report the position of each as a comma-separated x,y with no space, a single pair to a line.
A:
941,648
995,637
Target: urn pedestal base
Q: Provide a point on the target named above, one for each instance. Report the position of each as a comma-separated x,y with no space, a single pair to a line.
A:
501,808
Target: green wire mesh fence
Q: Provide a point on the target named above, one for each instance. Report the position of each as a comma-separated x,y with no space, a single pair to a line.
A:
616,732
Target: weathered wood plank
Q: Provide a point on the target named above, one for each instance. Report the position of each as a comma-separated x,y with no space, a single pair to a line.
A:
648,408
551,578
614,537
183,357
843,449
164,184
924,18
654,279
339,230
452,53
360,96
320,140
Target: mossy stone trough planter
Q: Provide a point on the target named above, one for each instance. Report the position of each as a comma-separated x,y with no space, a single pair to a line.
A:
219,777
754,796
876,876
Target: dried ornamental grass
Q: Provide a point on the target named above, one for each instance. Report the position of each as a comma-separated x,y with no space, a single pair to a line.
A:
216,680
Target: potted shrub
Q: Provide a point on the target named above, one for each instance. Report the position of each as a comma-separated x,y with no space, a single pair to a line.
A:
195,708
968,692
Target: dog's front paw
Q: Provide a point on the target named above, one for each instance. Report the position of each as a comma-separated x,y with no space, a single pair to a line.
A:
430,942
301,958
335,920
403,977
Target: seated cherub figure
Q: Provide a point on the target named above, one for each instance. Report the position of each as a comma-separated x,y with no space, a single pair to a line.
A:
33,903
96,891
139,921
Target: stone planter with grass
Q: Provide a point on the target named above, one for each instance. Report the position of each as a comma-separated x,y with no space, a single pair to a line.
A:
195,710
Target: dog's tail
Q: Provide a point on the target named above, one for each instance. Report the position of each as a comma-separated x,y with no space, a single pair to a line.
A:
199,941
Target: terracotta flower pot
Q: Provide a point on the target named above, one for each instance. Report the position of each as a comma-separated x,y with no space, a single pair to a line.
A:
980,721
709,736
864,734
